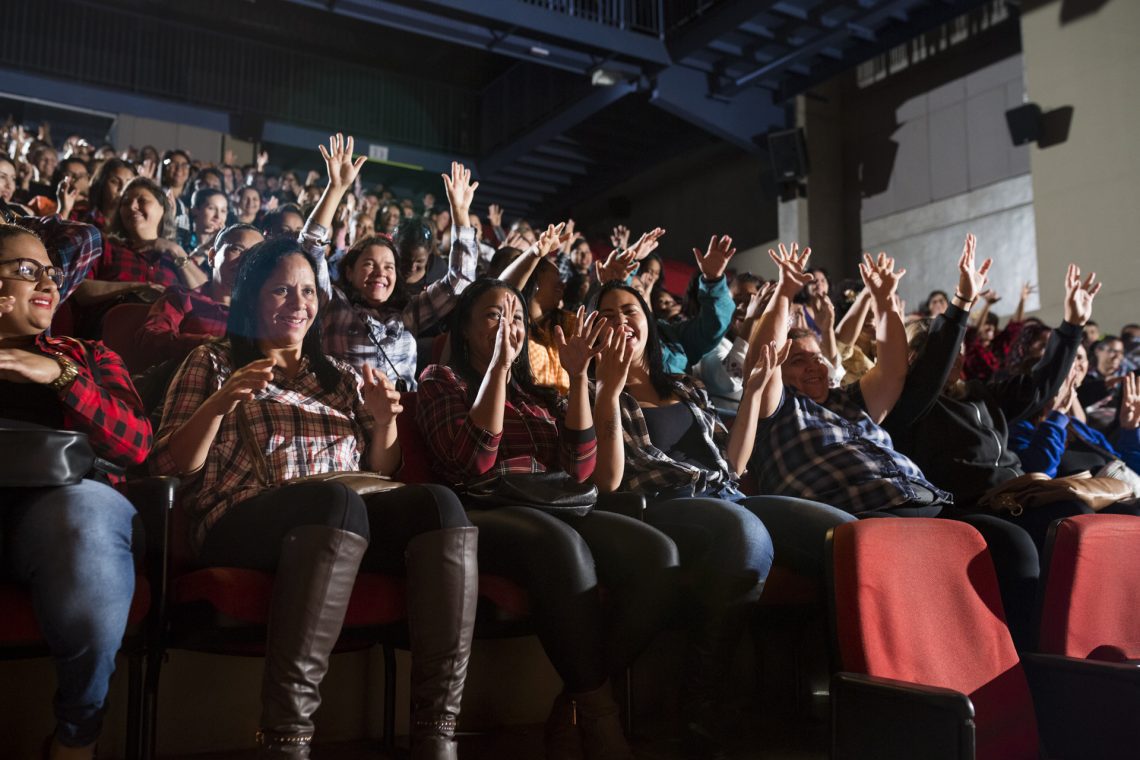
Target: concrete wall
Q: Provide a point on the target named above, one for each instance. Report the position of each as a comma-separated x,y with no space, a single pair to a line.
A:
1085,190
203,144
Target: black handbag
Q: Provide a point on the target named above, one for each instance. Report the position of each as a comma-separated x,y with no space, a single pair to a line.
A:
555,493
35,456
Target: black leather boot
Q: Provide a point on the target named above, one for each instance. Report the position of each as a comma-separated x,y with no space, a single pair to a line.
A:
443,588
311,588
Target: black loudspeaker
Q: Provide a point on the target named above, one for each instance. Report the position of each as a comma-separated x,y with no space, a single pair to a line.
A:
787,150
1024,123
247,126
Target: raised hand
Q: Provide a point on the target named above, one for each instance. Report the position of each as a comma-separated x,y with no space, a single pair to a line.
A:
618,266
793,269
1079,295
550,240
713,262
460,192
495,215
65,196
971,280
262,160
824,311
1130,402
881,279
148,168
515,240
508,340
1027,290
612,369
646,244
619,237
576,352
990,296
339,164
765,361
381,398
240,386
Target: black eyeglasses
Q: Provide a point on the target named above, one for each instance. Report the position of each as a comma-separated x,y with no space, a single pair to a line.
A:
32,270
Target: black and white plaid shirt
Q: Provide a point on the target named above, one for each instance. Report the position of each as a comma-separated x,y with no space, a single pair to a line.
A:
834,453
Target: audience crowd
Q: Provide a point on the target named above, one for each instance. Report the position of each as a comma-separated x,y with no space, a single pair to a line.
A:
287,319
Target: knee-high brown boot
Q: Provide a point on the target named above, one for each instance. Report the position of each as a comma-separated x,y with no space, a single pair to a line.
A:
443,588
311,588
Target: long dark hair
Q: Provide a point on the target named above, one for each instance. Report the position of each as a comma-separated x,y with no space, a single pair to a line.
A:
521,375
399,297
555,316
99,181
242,327
654,357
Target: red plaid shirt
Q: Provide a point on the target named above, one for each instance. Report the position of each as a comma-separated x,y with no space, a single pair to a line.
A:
180,321
120,264
291,429
106,408
532,440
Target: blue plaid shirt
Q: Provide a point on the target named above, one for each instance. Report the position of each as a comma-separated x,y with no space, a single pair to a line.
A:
834,453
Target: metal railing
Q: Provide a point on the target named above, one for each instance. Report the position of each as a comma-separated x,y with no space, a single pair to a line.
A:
643,16
166,59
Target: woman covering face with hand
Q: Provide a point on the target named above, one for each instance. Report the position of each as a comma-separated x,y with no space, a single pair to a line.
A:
483,417
245,417
70,545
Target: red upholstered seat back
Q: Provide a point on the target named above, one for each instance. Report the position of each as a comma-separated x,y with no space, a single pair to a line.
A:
1091,600
917,600
417,456
120,325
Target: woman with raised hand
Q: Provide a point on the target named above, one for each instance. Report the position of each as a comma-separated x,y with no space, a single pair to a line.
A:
246,416
484,418
370,318
660,436
70,545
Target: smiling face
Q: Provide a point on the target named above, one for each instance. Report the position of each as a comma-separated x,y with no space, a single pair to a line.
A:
624,314
35,302
113,189
1109,357
482,326
665,306
175,171
581,256
805,370
227,256
287,304
7,180
392,217
249,203
210,216
140,213
373,274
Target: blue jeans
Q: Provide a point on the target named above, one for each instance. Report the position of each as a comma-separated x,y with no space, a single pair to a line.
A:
798,528
71,546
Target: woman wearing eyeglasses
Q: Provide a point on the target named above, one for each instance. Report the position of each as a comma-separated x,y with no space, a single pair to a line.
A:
372,318
70,545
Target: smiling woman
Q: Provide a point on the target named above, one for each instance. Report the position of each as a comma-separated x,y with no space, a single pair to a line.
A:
71,545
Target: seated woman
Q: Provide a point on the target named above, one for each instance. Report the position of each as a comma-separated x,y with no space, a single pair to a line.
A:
371,318
70,545
106,189
483,417
673,448
246,416
181,319
140,257
248,205
208,211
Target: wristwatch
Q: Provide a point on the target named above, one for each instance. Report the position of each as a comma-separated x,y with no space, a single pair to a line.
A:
67,374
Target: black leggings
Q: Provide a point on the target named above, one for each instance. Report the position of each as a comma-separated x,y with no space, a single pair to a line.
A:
561,563
250,533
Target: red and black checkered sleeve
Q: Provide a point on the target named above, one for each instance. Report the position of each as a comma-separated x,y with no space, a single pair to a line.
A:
108,411
462,450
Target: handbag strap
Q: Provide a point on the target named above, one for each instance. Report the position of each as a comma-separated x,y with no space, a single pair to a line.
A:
1071,429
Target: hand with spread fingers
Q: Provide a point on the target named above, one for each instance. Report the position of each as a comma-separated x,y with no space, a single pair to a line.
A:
1130,402
881,279
1079,296
460,192
715,260
971,279
342,169
618,266
793,269
646,244
613,363
583,345
765,360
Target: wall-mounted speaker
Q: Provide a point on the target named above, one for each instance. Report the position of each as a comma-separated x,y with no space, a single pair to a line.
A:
788,153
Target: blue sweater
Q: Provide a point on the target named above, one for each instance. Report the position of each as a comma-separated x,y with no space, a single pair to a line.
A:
684,343
1041,446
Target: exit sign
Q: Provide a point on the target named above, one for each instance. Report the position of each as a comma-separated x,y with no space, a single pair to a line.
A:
378,152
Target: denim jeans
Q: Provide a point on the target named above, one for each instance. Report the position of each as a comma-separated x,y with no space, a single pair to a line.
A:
798,528
71,546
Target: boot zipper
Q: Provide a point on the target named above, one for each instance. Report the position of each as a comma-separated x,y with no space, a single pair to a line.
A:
978,414
573,712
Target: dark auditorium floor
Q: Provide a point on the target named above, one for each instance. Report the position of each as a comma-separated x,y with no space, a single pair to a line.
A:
778,737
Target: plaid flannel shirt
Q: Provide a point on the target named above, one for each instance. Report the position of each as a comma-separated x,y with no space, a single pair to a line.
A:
290,429
353,329
533,438
121,264
73,247
180,321
106,408
650,470
834,453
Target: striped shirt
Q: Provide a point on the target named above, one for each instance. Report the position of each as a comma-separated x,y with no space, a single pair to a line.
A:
834,453
290,429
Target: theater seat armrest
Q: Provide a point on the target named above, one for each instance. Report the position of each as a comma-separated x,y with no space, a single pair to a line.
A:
625,503
153,497
1085,708
884,718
